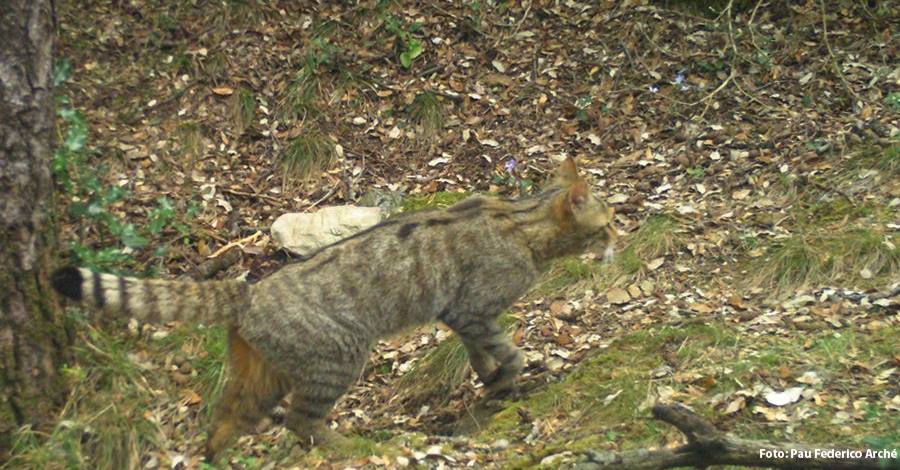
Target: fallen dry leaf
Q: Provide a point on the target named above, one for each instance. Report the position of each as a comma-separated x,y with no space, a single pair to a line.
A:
617,296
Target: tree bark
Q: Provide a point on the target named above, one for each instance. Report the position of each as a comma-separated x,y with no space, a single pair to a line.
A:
34,336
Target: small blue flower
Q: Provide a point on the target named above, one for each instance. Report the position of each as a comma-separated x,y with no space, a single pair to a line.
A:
680,77
510,164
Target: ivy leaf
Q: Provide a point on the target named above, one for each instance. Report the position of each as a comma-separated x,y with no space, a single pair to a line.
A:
62,70
414,49
131,238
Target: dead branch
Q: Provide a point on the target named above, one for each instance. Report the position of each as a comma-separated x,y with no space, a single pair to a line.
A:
706,445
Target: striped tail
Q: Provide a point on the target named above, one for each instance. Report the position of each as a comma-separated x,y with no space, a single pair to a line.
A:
153,300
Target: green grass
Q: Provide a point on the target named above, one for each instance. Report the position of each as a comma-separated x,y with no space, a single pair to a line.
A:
706,8
602,402
660,235
438,373
300,97
829,233
215,67
243,110
123,401
879,157
427,112
849,257
575,273
306,155
190,140
104,424
606,398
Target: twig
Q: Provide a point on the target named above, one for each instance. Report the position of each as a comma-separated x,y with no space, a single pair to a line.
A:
731,73
750,26
834,63
239,243
326,196
250,195
518,25
735,52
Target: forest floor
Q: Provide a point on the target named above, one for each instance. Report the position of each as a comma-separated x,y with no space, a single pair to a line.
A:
751,151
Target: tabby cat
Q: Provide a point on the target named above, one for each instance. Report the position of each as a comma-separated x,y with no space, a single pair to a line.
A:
307,329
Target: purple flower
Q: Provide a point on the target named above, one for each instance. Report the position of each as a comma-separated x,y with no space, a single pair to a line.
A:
679,78
510,164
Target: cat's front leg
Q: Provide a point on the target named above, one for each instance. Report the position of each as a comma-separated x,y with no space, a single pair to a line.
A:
511,360
493,356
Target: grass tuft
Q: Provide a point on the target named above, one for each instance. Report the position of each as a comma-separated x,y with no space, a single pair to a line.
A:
884,158
306,155
300,98
427,112
659,235
190,140
121,406
865,257
432,379
243,110
105,421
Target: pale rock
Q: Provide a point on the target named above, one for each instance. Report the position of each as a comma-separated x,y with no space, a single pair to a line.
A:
555,460
786,397
500,444
304,233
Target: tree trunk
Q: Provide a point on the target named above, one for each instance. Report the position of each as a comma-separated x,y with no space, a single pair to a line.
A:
34,336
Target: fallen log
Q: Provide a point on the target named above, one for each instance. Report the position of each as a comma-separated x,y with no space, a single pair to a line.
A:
706,445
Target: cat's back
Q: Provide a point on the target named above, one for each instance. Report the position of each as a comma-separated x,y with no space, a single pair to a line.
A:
405,270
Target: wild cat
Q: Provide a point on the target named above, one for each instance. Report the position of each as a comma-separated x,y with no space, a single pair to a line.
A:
307,328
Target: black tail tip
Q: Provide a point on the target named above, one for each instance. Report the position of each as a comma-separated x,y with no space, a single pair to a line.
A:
68,281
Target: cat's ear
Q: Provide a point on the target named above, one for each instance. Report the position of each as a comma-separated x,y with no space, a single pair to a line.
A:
578,194
567,173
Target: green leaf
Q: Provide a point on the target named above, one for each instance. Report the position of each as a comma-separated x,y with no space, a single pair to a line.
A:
160,215
130,237
413,50
62,69
414,47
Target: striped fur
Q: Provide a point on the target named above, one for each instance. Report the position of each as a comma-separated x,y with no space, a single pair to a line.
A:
155,301
307,328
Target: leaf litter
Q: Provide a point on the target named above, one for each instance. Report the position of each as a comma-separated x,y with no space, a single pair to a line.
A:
735,123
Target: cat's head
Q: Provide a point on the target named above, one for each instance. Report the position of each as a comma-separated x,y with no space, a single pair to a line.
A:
583,216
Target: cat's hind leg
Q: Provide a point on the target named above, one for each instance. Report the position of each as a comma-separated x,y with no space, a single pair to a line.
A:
252,390
313,397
